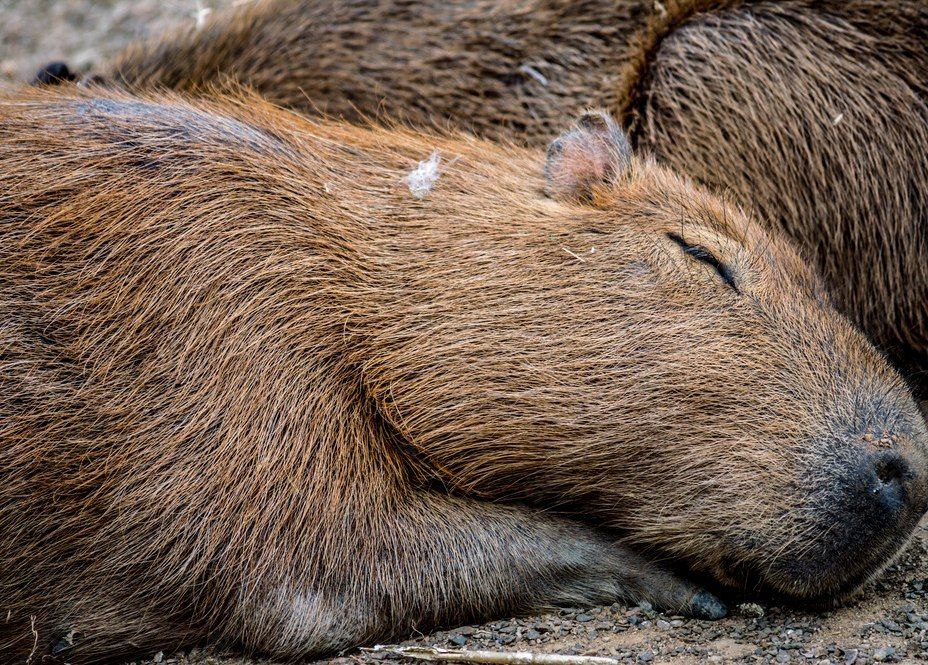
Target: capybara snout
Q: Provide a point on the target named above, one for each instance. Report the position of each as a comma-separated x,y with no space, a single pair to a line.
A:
844,491
849,527
872,489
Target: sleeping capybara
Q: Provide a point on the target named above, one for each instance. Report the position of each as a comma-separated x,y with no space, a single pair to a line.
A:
268,382
813,112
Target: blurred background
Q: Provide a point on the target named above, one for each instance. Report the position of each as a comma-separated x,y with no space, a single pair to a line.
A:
82,32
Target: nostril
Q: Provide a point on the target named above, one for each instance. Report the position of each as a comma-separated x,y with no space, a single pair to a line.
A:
890,468
888,475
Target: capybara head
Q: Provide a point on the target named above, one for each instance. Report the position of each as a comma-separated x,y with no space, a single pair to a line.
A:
763,439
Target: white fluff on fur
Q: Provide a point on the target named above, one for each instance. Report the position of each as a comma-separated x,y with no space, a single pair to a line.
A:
422,178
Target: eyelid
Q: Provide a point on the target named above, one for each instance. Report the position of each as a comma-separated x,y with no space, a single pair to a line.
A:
703,255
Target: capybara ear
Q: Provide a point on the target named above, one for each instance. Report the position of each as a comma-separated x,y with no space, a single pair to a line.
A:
594,152
53,73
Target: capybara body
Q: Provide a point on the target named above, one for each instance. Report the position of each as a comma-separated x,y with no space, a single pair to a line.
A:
256,391
812,112
503,69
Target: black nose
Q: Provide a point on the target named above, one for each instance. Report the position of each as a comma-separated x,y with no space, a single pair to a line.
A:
875,497
887,477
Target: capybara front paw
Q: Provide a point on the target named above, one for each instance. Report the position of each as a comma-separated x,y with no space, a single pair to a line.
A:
705,605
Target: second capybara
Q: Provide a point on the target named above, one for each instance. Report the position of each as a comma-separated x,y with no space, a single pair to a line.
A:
813,112
297,386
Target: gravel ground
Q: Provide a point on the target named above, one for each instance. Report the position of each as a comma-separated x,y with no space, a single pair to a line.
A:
888,624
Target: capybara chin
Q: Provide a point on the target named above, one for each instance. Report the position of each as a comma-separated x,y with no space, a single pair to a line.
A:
296,386
814,113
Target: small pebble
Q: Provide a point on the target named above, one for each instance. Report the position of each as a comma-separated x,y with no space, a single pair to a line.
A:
883,654
891,625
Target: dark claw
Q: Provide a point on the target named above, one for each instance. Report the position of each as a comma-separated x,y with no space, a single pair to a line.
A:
706,606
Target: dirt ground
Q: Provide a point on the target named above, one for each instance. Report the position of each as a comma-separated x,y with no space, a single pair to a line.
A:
888,624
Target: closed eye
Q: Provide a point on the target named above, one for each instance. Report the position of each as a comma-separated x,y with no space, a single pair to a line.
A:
705,256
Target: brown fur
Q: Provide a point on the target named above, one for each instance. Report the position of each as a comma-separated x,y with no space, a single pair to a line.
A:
255,392
741,94
816,115
477,63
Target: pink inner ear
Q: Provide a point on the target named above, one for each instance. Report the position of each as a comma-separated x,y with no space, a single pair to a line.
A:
585,165
592,153
583,162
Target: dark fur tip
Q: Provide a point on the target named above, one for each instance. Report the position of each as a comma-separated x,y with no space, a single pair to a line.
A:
706,606
54,73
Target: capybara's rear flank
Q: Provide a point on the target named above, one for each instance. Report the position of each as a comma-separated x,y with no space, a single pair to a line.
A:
503,69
